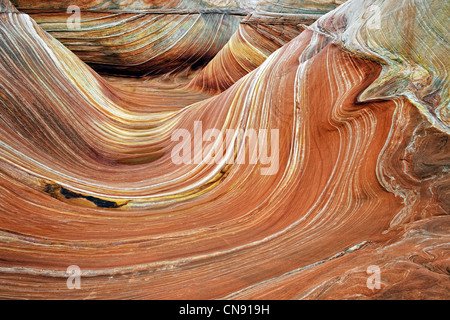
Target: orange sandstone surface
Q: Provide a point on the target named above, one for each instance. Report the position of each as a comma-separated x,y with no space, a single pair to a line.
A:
88,178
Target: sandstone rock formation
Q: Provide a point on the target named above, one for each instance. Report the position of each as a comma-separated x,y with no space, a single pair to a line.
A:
270,26
140,38
361,102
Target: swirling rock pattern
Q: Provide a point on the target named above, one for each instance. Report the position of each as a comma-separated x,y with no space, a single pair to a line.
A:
269,27
86,176
140,38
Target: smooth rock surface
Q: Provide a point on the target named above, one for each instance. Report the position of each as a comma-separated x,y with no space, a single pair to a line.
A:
87,176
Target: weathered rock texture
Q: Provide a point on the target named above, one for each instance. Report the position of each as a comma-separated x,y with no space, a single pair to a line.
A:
140,38
270,26
362,109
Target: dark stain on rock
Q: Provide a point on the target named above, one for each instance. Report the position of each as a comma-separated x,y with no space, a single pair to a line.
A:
56,190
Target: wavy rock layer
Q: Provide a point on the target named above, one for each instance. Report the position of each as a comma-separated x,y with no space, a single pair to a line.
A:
86,176
269,27
136,38
134,5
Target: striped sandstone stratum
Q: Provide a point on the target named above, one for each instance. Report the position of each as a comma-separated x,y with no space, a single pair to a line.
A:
87,179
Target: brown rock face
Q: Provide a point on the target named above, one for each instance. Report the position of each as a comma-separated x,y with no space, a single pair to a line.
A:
269,27
338,190
139,38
